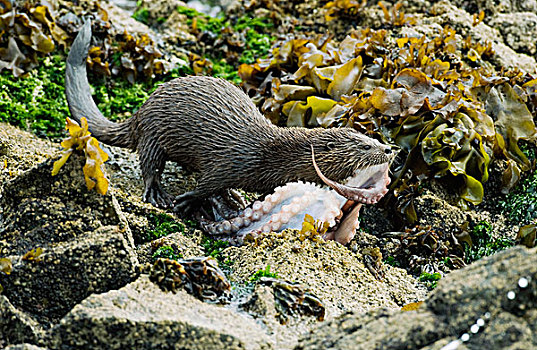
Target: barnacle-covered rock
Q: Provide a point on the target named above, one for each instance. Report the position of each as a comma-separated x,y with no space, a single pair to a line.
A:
84,241
481,306
517,30
142,315
16,326
332,272
200,277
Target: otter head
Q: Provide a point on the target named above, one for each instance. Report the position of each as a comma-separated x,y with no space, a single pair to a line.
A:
363,165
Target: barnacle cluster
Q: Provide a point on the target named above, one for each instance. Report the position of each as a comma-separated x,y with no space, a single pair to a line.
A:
294,299
437,98
200,277
81,139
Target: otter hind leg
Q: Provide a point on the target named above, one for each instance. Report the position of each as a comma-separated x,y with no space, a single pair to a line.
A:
191,201
188,202
152,161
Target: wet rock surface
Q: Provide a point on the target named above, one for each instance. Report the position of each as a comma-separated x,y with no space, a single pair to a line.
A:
15,326
144,317
495,308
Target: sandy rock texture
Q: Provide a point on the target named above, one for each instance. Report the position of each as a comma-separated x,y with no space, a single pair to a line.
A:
144,317
494,301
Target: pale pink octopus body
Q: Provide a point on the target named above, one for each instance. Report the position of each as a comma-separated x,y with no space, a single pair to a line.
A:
287,206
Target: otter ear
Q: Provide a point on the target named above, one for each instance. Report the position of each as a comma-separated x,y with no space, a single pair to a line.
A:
330,146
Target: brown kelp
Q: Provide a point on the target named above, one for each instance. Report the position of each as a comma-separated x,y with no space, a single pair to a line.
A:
437,98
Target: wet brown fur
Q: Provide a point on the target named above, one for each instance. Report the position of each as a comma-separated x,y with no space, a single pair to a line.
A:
209,125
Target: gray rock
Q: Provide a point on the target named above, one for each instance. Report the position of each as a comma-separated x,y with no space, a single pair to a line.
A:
24,347
87,245
462,21
40,210
518,30
488,300
141,316
16,326
495,6
65,274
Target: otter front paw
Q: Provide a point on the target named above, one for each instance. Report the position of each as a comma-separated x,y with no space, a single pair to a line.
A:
157,197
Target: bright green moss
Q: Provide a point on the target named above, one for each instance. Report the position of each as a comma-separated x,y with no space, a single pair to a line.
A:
36,101
483,243
164,225
430,279
262,273
166,252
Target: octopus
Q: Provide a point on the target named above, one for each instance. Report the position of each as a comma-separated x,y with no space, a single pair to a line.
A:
338,204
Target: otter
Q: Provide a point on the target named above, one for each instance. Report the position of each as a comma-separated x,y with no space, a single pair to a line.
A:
211,126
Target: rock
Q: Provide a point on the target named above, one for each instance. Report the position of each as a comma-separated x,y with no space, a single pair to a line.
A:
63,275
186,246
518,30
495,6
336,275
37,209
143,317
24,347
264,306
494,301
448,14
20,151
16,326
87,245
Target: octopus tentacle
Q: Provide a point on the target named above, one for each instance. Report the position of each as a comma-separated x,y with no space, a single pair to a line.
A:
287,206
280,210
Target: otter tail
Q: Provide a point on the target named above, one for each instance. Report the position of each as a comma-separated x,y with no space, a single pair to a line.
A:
78,92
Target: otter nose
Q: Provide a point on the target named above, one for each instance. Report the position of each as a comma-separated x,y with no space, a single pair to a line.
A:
388,150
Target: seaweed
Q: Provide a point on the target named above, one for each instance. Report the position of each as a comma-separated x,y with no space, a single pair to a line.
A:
36,101
33,255
424,249
214,247
35,29
430,279
256,276
163,225
28,31
81,139
294,299
200,277
527,235
343,8
437,99
394,16
482,242
166,252
6,266
312,229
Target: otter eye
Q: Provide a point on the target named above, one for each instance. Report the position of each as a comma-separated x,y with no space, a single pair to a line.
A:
330,146
367,147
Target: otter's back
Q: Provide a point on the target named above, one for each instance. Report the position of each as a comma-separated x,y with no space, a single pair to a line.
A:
197,117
